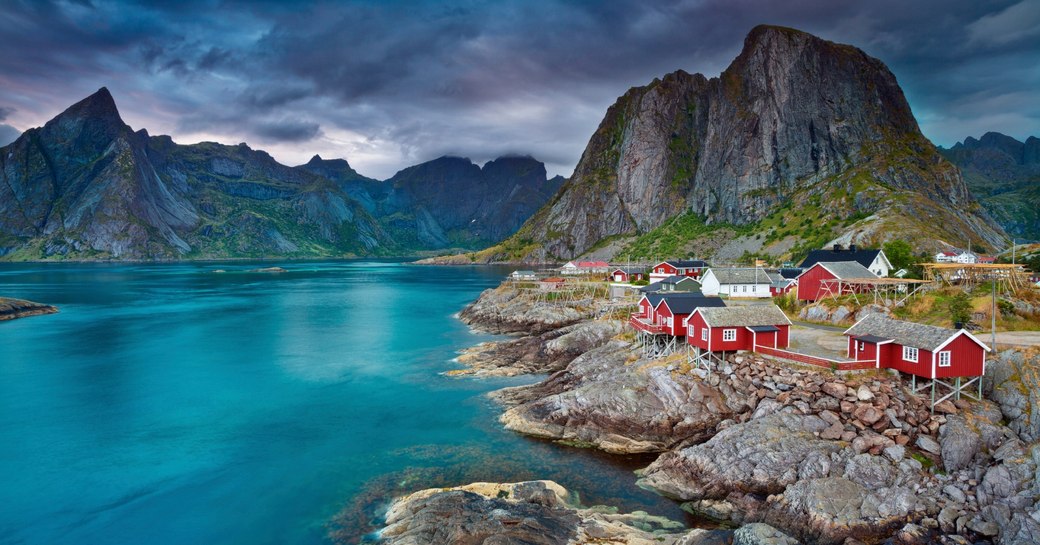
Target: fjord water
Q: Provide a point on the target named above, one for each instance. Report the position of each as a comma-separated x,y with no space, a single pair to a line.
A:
167,403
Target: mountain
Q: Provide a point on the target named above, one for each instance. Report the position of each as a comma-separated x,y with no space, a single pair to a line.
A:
449,202
798,142
86,186
1004,174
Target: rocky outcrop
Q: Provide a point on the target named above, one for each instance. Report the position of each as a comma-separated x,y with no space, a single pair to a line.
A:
20,308
508,310
793,120
1013,381
839,315
610,400
535,513
536,354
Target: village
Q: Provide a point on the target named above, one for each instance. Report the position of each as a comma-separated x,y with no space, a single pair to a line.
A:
843,309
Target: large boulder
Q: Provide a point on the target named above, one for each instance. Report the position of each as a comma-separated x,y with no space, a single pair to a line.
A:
762,456
1013,381
619,405
527,513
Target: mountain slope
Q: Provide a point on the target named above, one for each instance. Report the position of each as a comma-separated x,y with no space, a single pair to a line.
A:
85,186
795,122
1004,174
449,201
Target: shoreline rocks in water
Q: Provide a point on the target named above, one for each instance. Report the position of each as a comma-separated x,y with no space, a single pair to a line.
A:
11,309
778,449
541,513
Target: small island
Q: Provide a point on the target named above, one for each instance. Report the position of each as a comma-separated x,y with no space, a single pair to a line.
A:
20,308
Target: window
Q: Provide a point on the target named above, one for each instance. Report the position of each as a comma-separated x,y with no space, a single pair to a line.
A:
944,358
704,334
729,334
910,354
862,346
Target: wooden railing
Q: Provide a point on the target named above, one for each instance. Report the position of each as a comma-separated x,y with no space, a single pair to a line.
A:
640,322
826,363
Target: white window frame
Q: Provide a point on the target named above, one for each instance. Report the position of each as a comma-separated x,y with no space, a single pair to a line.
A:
862,346
910,354
704,334
945,355
729,335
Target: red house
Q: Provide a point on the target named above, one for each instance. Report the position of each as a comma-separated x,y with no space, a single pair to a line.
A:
917,349
727,329
820,280
677,267
627,275
666,313
782,287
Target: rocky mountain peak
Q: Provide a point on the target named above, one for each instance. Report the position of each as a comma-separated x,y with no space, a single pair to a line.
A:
99,106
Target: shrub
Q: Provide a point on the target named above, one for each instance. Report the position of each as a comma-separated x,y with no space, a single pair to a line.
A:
960,308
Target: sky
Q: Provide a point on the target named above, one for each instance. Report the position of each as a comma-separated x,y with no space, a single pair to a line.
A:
391,83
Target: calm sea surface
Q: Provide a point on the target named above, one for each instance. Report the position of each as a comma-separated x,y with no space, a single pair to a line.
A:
171,404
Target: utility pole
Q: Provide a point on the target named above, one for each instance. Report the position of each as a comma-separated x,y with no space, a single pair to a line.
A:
993,320
1012,251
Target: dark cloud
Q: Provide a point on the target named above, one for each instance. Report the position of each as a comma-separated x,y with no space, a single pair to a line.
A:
4,112
387,84
8,134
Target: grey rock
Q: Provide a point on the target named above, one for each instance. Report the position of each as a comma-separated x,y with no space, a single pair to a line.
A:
928,444
760,456
864,394
895,452
959,443
761,534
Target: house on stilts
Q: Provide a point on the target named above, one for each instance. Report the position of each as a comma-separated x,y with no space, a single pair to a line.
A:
660,323
952,360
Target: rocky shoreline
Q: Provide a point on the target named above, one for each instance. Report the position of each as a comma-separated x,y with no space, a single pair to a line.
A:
782,453
11,309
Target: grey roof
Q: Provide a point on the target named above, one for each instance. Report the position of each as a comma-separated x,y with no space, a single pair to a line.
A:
686,263
746,316
676,278
745,275
863,256
847,269
763,328
687,304
925,337
629,270
873,339
655,297
652,288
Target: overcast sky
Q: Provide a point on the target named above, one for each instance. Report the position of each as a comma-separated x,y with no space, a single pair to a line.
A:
386,84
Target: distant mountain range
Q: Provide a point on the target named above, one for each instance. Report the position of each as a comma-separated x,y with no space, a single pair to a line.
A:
800,142
86,186
1005,176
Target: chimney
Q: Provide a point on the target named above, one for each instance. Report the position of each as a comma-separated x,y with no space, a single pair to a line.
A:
837,247
852,247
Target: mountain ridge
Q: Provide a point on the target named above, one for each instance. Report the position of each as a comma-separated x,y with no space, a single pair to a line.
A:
86,186
793,120
1004,174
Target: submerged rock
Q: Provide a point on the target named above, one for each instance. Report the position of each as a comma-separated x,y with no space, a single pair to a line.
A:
20,308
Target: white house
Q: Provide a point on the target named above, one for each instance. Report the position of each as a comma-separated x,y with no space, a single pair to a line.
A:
945,257
523,275
966,257
585,267
738,282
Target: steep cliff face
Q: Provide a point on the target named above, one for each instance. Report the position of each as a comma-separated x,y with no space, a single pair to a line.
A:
449,202
1004,174
85,186
793,118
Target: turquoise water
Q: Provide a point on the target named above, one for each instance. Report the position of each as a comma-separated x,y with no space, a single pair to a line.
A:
170,404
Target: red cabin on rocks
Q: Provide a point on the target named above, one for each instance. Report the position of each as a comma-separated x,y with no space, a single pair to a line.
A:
728,329
917,349
821,280
666,313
